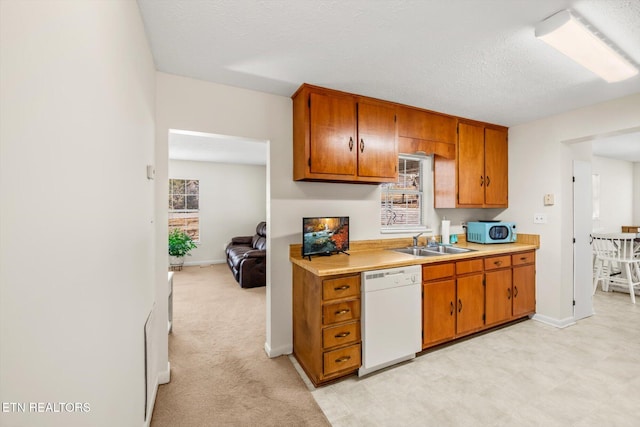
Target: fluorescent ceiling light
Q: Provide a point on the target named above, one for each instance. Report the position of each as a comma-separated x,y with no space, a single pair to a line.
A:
568,35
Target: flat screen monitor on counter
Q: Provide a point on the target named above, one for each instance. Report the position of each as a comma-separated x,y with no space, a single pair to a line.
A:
325,235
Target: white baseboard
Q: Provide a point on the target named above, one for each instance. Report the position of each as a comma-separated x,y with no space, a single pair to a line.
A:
162,378
558,323
205,262
165,376
147,422
279,351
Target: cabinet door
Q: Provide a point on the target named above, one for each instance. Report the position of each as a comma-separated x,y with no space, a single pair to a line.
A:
422,125
438,312
377,145
496,167
470,308
524,290
333,135
470,165
498,296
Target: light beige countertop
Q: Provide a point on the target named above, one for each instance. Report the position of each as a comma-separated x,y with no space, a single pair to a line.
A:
376,254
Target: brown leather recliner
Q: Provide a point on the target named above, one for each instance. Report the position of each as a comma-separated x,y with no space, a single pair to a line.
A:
247,258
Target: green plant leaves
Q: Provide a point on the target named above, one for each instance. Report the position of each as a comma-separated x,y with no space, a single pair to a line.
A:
180,243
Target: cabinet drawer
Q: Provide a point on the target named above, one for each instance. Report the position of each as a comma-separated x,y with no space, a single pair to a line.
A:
437,271
340,312
340,335
524,258
495,262
341,287
342,359
471,266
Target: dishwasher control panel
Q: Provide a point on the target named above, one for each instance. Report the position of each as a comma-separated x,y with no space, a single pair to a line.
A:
391,277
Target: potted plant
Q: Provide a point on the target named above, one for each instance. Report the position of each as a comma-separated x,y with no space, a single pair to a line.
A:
180,244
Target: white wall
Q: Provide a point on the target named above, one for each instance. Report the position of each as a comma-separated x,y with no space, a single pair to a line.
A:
77,85
539,163
195,105
232,203
636,193
616,194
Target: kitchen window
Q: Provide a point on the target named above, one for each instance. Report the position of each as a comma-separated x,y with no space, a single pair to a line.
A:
402,202
184,206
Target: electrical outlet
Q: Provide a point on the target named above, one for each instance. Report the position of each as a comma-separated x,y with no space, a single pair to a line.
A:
539,218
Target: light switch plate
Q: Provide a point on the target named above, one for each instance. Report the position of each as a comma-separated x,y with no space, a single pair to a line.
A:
549,199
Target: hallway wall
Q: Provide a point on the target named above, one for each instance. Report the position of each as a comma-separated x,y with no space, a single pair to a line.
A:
77,85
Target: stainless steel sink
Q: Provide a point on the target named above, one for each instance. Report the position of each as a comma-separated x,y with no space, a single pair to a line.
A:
449,249
432,250
417,251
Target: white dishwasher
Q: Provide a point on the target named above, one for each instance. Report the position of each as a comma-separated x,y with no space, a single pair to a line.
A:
391,317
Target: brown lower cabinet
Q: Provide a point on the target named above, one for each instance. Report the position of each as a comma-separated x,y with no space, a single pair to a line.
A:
470,299
463,297
453,300
459,299
524,283
438,312
326,324
498,282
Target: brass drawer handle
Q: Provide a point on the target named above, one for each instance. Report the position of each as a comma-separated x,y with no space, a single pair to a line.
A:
515,291
508,293
342,334
523,258
342,288
350,143
498,263
346,310
343,359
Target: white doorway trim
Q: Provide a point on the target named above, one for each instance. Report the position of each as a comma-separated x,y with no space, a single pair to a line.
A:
582,252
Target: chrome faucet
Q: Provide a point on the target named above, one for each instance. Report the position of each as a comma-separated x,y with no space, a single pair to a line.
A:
415,239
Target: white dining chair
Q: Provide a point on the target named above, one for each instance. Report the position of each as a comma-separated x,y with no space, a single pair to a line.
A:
603,268
612,251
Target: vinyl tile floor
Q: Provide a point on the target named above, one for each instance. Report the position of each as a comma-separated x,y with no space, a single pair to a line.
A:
526,374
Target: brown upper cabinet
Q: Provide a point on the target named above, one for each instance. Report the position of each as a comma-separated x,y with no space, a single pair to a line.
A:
343,138
431,133
478,177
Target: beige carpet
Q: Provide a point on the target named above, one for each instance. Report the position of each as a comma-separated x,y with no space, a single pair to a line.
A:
220,374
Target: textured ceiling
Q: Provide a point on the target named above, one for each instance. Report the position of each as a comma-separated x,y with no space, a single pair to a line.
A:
620,146
472,58
205,147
